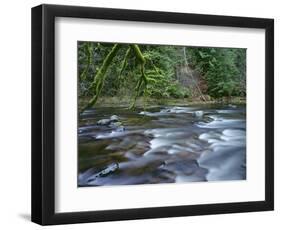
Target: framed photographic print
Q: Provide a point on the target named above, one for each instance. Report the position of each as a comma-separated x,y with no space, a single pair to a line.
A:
141,114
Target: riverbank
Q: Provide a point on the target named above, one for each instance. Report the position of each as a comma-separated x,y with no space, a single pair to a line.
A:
141,101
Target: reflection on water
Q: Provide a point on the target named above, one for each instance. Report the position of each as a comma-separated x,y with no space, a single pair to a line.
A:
162,145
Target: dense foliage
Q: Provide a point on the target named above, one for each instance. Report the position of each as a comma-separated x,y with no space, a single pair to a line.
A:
224,69
127,70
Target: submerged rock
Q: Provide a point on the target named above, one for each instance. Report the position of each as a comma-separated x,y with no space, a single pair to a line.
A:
111,168
115,124
177,109
108,170
232,106
120,129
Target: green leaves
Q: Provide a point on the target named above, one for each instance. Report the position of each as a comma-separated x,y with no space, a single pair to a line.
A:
224,69
157,71
98,82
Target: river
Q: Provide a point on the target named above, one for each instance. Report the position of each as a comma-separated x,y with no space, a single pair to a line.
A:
164,144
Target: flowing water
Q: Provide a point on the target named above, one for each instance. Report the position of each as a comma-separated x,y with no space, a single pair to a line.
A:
162,145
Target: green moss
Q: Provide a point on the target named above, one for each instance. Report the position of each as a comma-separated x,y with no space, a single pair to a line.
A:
97,84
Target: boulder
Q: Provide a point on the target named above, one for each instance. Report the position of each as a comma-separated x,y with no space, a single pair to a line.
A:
104,122
114,118
113,123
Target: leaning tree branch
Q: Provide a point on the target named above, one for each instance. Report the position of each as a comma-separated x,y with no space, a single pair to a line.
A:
98,82
89,55
143,79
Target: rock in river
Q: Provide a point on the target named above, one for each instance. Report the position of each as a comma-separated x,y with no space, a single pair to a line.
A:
113,123
114,118
104,122
108,170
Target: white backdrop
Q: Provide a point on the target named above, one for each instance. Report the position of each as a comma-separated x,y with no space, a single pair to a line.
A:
15,113
69,198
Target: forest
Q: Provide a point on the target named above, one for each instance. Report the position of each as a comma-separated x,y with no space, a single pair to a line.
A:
159,73
151,114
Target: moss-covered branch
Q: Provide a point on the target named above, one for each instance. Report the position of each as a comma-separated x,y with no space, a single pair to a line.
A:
89,56
98,82
143,79
124,64
138,53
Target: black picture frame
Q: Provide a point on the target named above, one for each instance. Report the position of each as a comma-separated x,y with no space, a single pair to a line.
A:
43,110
